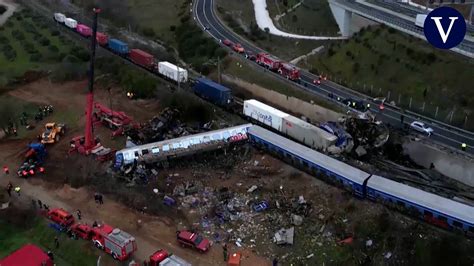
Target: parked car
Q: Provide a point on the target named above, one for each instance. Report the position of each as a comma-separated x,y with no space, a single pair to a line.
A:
61,217
193,240
227,42
421,127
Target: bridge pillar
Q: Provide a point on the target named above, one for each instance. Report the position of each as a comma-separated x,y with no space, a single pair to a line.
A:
343,18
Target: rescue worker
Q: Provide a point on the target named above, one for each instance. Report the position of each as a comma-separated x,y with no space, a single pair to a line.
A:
79,214
17,190
6,170
432,166
56,241
275,262
463,146
224,248
40,204
9,189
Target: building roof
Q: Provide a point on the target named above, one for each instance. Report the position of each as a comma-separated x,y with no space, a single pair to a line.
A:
28,255
342,169
422,198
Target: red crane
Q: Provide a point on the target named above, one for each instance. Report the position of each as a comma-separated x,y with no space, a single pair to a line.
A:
87,144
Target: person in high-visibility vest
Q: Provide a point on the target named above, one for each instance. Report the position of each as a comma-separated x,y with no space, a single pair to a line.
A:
17,190
464,146
6,170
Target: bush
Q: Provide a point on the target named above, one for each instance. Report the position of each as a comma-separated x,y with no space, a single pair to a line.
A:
55,33
148,32
44,41
3,9
36,57
10,55
172,28
80,53
53,48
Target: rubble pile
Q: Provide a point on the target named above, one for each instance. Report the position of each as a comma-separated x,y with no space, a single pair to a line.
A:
163,126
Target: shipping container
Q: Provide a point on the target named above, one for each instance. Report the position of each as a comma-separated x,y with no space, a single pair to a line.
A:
71,23
420,20
118,46
214,92
84,30
102,39
142,58
264,114
59,17
173,72
307,133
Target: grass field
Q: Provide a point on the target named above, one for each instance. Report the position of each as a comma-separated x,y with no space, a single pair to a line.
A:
27,43
312,17
70,252
243,22
402,65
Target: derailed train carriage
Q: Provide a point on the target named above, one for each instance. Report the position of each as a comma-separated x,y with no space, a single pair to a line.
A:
431,208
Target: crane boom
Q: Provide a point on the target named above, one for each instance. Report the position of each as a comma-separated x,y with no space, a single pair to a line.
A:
89,141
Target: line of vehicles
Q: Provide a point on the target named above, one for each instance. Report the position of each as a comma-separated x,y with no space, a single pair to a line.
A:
141,58
268,61
121,245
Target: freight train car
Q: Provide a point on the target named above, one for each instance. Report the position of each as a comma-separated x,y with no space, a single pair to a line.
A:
212,91
102,39
172,72
70,23
264,114
288,125
118,47
84,30
142,58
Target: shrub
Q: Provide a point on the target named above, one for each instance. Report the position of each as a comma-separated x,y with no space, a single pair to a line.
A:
55,33
44,41
36,57
172,28
149,32
53,48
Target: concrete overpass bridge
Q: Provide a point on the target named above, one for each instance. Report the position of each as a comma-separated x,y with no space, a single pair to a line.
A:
343,11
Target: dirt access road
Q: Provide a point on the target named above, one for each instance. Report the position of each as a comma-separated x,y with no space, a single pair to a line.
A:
68,99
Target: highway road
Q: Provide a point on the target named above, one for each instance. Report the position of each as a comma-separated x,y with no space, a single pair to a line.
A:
206,16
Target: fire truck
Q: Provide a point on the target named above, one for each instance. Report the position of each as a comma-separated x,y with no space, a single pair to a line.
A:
114,241
289,71
268,61
274,64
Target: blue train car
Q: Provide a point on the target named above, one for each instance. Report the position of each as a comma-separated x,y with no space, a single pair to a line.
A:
432,208
212,91
118,46
347,176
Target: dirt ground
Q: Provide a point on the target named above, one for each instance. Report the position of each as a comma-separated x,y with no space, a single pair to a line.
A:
395,239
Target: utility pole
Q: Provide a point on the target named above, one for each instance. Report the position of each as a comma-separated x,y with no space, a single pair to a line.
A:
219,70
178,75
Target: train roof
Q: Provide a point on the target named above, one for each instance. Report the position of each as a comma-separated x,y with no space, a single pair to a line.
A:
316,130
425,199
355,175
219,134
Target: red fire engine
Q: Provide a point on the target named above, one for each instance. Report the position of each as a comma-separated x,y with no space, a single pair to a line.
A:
284,69
268,61
114,241
289,71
